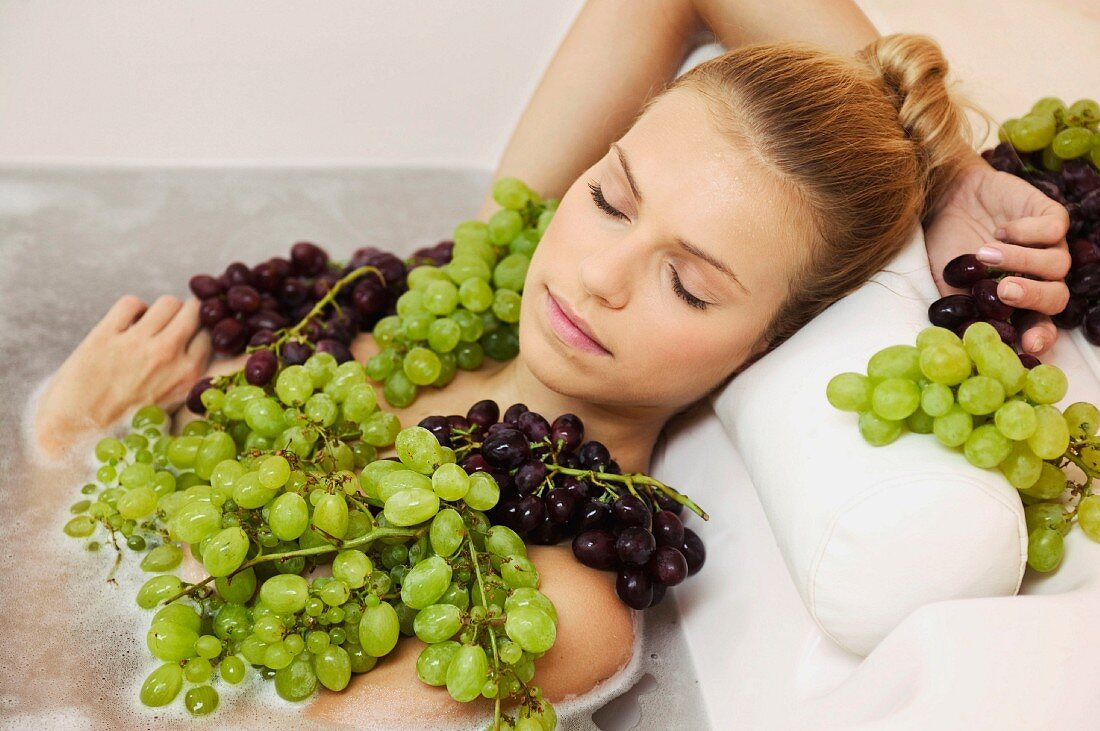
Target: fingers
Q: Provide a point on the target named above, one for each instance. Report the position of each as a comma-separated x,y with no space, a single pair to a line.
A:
1037,333
1049,298
123,313
1045,230
200,348
183,325
1048,263
159,314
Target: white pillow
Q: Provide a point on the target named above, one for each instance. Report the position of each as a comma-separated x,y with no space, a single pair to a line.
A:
868,533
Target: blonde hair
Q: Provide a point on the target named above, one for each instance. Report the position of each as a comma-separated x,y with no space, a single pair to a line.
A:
866,143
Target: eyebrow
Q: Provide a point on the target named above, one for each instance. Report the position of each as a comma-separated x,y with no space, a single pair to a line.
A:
691,249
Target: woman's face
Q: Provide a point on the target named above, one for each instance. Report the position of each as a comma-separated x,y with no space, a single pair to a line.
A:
658,296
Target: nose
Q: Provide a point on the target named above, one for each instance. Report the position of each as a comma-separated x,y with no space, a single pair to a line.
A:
607,271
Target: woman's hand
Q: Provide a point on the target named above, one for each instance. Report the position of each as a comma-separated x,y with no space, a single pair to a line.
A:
137,354
988,209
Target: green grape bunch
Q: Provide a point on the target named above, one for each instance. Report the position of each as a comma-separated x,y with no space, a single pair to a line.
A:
455,315
974,394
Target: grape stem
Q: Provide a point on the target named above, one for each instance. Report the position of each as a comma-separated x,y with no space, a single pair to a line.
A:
491,633
316,550
630,480
329,298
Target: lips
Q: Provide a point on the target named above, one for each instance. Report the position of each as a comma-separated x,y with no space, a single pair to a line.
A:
570,328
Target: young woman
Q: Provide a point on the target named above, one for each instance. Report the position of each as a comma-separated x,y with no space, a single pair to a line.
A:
746,197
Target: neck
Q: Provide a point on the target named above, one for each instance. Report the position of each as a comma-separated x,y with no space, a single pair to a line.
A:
629,432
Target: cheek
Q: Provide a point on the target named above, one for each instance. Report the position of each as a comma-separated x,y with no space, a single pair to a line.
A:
700,350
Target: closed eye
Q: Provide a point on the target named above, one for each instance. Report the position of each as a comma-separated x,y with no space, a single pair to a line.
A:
677,285
601,202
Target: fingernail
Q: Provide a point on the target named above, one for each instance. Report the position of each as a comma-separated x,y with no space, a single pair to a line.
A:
990,255
1011,291
1000,234
1038,344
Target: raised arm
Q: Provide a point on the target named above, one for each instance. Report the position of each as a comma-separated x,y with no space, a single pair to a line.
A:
619,53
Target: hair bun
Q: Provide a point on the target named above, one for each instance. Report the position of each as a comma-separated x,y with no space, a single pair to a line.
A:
913,71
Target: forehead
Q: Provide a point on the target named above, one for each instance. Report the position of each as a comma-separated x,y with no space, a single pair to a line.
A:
701,184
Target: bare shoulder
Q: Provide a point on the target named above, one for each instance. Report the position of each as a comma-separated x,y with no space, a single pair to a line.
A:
595,640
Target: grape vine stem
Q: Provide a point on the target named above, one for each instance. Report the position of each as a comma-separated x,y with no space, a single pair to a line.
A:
631,480
316,550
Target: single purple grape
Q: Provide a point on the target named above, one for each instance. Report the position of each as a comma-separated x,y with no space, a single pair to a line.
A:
267,320
1084,281
596,549
530,476
261,337
205,286
659,591
295,352
546,533
1083,252
369,297
592,514
294,292
506,448
229,337
1092,324
243,298
964,270
567,432
631,511
511,414
237,273
531,512
474,462
635,545
1006,330
439,427
266,277
668,529
535,426
694,551
194,396
1073,314
260,367
560,505
952,310
634,587
1090,206
664,502
308,258
667,566
212,311
594,456
989,304
485,413
1028,360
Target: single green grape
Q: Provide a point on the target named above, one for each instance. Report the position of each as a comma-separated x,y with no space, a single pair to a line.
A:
1045,548
1082,419
877,431
1088,516
379,629
895,361
162,685
1033,131
432,664
953,428
467,672
849,391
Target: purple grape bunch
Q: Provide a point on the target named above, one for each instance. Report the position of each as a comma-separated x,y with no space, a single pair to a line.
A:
246,307
1075,185
555,486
